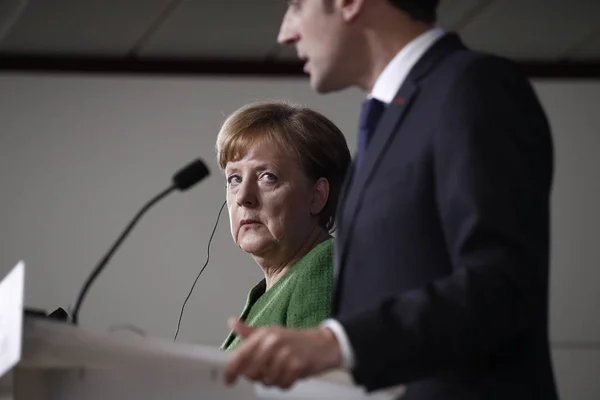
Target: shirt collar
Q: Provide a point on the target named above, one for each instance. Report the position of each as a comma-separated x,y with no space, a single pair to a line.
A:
389,82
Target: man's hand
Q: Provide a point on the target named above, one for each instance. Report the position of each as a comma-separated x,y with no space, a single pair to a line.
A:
279,357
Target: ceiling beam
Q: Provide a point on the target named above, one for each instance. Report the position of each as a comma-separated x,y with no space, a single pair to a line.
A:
232,67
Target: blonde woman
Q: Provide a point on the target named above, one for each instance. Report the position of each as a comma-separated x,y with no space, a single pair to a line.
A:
284,167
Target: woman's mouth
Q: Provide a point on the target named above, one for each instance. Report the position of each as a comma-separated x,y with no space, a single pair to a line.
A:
249,222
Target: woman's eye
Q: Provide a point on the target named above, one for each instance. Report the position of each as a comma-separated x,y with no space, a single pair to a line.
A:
269,177
233,179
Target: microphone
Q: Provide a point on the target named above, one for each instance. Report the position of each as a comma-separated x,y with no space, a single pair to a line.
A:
191,174
182,181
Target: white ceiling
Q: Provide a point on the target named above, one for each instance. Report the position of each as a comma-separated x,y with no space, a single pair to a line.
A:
532,30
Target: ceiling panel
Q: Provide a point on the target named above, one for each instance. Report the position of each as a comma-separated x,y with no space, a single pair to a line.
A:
218,28
589,51
10,11
452,13
82,26
532,29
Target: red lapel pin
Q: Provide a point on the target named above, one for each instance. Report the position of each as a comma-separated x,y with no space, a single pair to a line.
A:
399,101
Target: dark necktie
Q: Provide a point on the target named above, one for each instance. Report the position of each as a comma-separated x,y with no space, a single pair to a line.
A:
372,110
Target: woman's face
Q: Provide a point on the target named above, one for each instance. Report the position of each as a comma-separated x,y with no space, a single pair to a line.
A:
270,202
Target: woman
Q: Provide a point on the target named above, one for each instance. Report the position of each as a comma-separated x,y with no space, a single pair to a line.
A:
284,168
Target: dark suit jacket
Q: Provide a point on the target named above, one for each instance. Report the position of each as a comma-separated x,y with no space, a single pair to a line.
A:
443,236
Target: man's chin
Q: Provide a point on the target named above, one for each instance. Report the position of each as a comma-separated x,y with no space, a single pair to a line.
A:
324,86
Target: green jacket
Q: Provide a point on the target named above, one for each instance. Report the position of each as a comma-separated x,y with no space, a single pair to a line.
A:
300,299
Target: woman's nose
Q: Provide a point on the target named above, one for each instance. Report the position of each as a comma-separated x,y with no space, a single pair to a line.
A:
246,196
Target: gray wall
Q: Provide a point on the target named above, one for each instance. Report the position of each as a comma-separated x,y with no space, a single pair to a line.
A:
79,155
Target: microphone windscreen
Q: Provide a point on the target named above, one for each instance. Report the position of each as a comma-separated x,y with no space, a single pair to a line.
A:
191,174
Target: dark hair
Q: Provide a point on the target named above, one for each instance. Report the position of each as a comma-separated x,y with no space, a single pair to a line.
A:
420,10
305,134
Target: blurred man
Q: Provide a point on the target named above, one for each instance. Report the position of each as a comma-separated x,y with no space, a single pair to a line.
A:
443,228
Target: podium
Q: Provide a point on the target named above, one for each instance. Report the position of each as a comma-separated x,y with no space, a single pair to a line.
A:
60,361
63,362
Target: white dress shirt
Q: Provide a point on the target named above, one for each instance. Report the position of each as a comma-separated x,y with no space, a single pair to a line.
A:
385,88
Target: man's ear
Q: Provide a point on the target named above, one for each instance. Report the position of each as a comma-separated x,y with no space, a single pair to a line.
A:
320,196
351,9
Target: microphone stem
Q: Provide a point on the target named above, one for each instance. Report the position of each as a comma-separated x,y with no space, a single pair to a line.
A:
101,265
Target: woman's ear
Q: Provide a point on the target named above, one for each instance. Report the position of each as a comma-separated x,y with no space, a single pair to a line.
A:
320,196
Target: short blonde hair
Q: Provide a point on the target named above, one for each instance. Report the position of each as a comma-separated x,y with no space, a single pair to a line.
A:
303,133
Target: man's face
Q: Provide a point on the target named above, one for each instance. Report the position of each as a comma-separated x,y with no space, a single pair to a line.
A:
323,41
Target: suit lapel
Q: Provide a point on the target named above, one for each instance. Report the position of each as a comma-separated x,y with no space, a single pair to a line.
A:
343,192
339,210
385,132
356,181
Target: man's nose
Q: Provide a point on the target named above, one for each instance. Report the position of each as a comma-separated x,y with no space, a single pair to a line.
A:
288,34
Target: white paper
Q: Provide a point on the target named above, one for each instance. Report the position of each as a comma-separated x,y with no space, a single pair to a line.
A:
11,317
